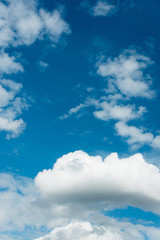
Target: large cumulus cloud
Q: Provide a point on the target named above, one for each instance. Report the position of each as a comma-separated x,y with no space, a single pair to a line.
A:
77,187
80,178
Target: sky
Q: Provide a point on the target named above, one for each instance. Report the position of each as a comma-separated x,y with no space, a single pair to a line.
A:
79,120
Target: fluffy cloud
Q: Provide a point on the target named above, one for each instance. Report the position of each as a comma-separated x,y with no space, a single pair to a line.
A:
118,112
110,229
127,72
80,186
80,231
80,178
136,135
21,22
103,9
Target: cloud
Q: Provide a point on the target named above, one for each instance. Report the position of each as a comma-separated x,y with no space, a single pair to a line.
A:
11,107
15,197
73,110
88,183
80,231
156,142
103,9
136,135
118,112
77,189
8,90
109,229
128,78
22,23
44,65
8,64
14,126
54,24
100,9
111,108
127,73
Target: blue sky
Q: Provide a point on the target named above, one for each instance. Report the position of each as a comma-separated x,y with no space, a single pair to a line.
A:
79,81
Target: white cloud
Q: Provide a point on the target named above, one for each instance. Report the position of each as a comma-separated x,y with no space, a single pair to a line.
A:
14,126
54,24
136,135
103,9
28,29
128,73
109,229
89,183
156,142
16,195
11,107
8,89
21,23
118,112
8,64
108,108
82,231
73,111
80,186
127,78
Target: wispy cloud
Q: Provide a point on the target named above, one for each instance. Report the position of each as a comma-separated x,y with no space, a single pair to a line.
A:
43,65
103,9
100,9
73,110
